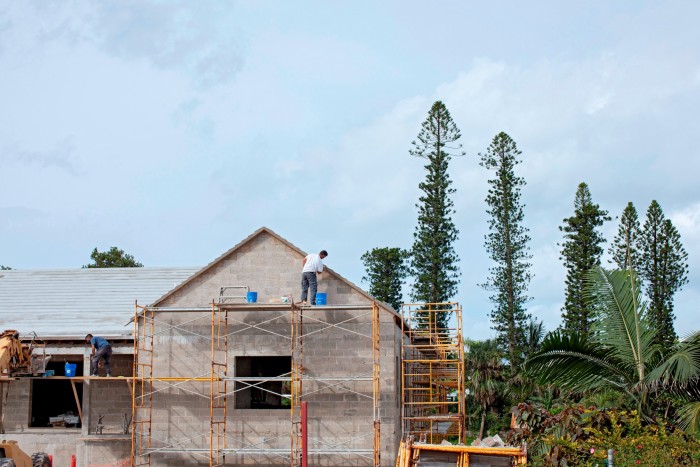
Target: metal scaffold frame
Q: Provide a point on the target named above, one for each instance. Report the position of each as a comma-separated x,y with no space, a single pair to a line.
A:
219,386
225,325
432,372
142,389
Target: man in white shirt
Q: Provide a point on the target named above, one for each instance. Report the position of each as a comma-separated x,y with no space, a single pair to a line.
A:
312,264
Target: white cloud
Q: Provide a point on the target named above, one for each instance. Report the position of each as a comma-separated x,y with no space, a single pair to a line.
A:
687,221
205,121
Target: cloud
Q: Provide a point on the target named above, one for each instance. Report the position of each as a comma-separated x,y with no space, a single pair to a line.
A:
61,156
574,121
687,221
171,35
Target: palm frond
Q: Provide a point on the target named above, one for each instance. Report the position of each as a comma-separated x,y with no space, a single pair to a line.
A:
571,362
622,324
681,367
689,418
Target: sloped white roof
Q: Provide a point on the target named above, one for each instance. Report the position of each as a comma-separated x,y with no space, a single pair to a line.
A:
74,302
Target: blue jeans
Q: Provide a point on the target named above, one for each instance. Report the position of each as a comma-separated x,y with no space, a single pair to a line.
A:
308,280
104,354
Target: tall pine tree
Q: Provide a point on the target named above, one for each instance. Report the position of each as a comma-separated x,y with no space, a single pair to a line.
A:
433,258
581,252
507,245
625,246
385,269
664,269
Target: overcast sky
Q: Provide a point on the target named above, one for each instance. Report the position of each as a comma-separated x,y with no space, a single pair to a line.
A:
175,129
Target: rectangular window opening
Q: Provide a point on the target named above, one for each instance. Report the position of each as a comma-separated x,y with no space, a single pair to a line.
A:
265,384
53,401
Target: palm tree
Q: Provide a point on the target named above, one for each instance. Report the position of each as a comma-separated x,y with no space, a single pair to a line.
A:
484,367
619,354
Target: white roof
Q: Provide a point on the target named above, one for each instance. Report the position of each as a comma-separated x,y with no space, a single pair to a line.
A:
74,302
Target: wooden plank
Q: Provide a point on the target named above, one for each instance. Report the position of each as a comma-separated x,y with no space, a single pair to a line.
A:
77,401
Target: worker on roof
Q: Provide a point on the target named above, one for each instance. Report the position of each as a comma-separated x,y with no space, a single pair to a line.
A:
313,264
101,349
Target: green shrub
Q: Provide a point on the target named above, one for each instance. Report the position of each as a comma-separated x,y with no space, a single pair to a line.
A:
581,436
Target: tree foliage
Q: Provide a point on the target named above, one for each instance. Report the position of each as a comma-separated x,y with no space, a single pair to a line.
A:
112,258
620,353
624,249
581,252
664,268
507,245
385,270
5,268
582,435
486,375
433,258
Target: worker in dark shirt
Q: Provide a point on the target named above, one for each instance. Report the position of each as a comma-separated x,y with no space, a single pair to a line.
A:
100,350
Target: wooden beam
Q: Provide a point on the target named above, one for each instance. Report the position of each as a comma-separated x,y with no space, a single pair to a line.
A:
77,401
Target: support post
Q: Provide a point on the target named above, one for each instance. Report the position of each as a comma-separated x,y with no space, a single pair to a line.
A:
77,401
304,435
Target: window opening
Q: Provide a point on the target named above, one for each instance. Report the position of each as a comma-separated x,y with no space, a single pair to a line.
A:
53,401
267,392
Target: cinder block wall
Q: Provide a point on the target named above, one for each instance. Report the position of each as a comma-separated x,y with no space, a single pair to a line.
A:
18,405
183,349
340,409
267,266
109,398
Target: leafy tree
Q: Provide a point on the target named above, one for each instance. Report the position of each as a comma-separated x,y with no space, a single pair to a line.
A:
386,268
507,245
112,258
664,268
486,380
620,354
624,249
581,252
433,258
5,268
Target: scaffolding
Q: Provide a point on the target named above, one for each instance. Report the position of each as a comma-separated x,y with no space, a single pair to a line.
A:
142,388
432,372
218,386
229,322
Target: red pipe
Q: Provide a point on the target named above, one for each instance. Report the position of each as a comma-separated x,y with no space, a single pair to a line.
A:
304,435
72,460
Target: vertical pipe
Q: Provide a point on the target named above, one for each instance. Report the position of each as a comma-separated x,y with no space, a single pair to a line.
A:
610,458
304,435
211,386
135,374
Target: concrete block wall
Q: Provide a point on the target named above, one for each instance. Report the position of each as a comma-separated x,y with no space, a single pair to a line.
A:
273,269
109,398
104,453
267,266
336,415
18,406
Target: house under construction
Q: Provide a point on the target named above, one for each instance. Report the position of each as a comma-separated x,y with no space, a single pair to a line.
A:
202,377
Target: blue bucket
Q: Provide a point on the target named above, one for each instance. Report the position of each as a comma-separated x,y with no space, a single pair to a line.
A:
321,298
70,369
251,297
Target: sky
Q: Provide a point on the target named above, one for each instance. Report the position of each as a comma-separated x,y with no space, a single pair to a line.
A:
173,130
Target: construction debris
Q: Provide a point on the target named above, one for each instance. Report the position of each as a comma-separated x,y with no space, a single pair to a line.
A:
490,442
